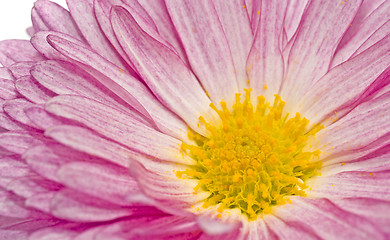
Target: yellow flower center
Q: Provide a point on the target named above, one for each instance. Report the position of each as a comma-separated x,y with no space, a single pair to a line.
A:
254,159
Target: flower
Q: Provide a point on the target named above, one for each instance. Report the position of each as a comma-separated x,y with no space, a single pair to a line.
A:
197,120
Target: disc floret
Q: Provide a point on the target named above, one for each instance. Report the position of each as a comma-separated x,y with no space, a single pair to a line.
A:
254,159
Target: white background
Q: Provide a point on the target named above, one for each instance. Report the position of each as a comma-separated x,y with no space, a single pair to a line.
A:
15,18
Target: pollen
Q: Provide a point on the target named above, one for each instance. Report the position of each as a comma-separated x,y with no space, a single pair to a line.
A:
255,159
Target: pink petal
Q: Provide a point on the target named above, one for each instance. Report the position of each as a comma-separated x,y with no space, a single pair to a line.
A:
12,205
39,41
89,142
30,185
162,70
265,63
258,230
123,85
15,109
285,230
78,207
8,123
255,14
356,75
306,214
21,69
371,24
236,25
41,118
20,141
32,90
12,51
117,126
375,185
206,46
47,15
159,13
10,168
7,89
83,14
321,28
6,73
294,16
107,182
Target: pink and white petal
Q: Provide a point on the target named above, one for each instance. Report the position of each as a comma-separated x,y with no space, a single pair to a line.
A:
41,201
32,90
40,43
255,14
21,69
162,70
12,51
11,205
42,119
265,62
15,109
370,25
236,25
7,89
373,209
294,15
365,124
258,230
118,126
322,27
83,14
20,141
367,7
375,185
285,230
12,167
159,14
87,141
66,78
379,34
306,213
206,46
105,181
8,123
77,207
123,85
55,232
47,15
357,75
6,73
30,185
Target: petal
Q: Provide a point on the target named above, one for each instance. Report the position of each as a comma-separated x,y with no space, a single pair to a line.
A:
371,24
357,75
47,15
236,25
83,14
294,16
7,89
41,118
32,90
40,43
206,46
334,222
123,85
375,185
265,63
20,141
117,126
15,109
321,28
21,69
11,168
162,70
159,13
258,230
107,182
12,51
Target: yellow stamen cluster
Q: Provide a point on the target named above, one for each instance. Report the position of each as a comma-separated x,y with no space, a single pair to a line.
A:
254,159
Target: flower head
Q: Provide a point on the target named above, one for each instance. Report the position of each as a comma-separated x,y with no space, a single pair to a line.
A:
211,119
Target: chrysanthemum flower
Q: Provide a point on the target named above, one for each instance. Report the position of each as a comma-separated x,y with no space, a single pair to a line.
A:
197,119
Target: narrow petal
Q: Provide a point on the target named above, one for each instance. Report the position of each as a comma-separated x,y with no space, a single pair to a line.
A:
236,25
20,141
371,24
21,69
378,35
165,73
40,43
335,223
258,230
123,85
41,118
7,89
255,14
11,168
32,90
206,46
294,16
47,15
15,109
356,75
83,14
322,28
118,126
12,51
265,63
